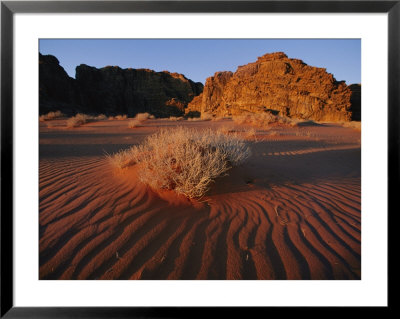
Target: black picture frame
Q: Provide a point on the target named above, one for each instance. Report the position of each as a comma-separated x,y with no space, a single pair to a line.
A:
9,8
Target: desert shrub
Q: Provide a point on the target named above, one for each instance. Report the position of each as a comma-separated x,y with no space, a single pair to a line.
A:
194,119
134,123
139,119
260,119
142,116
175,118
246,133
123,158
51,116
184,160
353,124
101,117
78,120
221,118
120,117
263,120
204,117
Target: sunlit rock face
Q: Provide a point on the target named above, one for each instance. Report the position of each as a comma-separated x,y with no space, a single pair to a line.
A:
275,83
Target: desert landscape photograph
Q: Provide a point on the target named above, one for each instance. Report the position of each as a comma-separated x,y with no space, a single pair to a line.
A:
196,159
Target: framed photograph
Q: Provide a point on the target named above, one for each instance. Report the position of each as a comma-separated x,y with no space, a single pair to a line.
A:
169,158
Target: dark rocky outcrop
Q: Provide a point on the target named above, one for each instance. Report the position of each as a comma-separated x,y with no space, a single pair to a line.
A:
129,91
112,90
57,91
275,83
355,101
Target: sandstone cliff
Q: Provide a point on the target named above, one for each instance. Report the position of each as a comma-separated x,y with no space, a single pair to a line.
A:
278,84
112,90
130,91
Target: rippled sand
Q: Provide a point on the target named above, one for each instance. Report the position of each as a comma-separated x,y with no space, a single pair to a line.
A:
293,211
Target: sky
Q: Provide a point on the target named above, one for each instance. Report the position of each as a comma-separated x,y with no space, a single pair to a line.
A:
198,59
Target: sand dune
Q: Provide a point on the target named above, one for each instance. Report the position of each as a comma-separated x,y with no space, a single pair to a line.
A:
293,211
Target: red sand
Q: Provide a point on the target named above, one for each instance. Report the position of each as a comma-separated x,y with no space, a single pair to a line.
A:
293,211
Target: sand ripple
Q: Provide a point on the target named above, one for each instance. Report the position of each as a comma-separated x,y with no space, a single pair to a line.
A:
96,224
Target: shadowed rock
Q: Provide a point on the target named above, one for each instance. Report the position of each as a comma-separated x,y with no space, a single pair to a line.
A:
57,91
355,102
112,90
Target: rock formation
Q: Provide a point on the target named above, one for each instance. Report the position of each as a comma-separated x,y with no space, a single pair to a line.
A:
275,83
112,90
57,91
355,101
130,91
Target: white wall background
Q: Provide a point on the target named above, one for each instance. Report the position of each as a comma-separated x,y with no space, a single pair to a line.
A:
370,291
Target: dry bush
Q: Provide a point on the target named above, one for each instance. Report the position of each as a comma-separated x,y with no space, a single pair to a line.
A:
221,118
203,117
118,117
134,123
184,160
139,119
51,116
353,124
121,117
260,119
263,120
175,118
123,158
78,120
194,119
100,117
248,133
142,116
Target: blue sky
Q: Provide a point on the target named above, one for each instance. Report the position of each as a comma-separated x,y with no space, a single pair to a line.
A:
199,59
